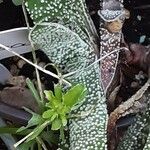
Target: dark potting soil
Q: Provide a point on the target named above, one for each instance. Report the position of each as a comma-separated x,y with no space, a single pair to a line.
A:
137,28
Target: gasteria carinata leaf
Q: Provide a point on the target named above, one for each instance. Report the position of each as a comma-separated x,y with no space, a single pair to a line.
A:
69,44
137,136
72,14
70,53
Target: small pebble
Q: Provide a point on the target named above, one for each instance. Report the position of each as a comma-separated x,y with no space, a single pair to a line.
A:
134,84
21,63
17,81
140,75
14,70
16,58
42,64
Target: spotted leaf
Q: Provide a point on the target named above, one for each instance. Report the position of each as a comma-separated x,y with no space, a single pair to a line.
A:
72,14
70,53
109,42
137,134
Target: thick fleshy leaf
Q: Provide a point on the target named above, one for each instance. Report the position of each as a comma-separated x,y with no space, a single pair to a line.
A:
49,95
56,124
26,146
72,14
35,120
48,114
50,10
38,130
137,135
61,39
58,92
71,53
34,92
63,120
55,115
74,95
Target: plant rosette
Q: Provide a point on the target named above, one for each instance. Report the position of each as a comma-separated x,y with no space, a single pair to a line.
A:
56,111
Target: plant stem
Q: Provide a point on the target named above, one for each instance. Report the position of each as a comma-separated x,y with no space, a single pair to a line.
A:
62,136
39,145
25,15
40,141
13,131
33,54
22,140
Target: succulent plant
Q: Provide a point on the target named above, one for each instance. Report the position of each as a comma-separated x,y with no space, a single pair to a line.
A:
64,32
137,136
64,35
110,41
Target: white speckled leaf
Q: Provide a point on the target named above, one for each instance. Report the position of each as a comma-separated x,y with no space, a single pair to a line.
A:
108,43
50,10
69,13
136,136
57,41
147,145
70,53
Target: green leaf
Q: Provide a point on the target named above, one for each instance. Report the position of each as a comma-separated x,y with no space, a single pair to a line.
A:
17,2
58,92
56,124
50,137
54,104
35,120
49,95
63,120
64,11
48,114
74,95
65,110
55,115
49,35
26,146
38,130
34,92
49,105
